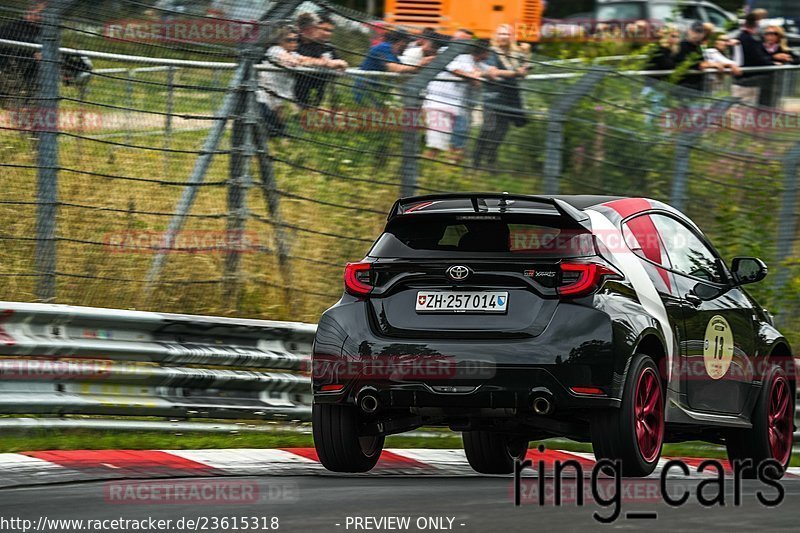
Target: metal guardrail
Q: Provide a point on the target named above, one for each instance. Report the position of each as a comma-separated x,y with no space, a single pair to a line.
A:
58,359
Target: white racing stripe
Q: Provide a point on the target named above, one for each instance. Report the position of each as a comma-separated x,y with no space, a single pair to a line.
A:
634,271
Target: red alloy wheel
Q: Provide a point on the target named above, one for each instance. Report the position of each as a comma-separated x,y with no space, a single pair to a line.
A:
779,421
648,413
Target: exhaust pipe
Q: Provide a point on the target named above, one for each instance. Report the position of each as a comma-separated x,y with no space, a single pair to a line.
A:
542,406
542,401
367,400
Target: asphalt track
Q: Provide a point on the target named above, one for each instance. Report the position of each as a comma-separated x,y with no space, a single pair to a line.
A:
322,503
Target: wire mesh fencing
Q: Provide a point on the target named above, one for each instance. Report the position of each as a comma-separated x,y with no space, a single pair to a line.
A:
188,161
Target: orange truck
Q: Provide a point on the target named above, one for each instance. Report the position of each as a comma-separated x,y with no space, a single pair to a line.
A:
481,16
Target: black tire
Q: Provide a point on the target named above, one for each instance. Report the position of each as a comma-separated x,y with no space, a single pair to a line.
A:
614,431
489,452
336,439
754,443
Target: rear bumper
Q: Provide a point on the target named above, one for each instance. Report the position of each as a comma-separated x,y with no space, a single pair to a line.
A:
575,350
512,388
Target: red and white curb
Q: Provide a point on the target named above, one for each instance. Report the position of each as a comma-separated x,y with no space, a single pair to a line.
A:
44,467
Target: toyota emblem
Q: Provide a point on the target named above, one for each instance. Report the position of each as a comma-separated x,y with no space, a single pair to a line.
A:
458,272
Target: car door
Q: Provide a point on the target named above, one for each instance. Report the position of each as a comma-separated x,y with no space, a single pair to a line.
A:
719,339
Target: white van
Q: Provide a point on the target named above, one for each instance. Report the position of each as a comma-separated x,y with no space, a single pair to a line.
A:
678,12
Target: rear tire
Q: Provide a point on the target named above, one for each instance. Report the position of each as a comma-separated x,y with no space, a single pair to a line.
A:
489,452
773,424
336,439
634,433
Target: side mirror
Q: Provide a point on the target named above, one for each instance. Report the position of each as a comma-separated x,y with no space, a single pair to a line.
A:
748,270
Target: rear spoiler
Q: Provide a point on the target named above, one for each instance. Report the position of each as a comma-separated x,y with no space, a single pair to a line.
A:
564,209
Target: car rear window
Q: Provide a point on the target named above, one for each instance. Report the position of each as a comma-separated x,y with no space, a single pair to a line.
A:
434,236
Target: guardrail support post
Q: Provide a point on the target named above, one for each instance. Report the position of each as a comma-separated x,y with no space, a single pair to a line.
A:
554,142
787,222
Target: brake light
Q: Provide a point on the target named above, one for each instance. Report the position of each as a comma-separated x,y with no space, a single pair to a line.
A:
358,278
580,279
587,390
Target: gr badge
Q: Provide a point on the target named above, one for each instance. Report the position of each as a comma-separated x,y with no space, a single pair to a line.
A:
718,347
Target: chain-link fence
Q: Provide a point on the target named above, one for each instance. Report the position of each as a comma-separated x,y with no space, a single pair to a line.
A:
185,160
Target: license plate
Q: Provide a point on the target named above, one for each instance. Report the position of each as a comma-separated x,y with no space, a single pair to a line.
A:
462,302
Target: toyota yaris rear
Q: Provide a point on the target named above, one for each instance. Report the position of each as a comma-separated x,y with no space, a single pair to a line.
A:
507,318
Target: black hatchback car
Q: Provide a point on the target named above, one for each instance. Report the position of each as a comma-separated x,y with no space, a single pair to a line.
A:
511,318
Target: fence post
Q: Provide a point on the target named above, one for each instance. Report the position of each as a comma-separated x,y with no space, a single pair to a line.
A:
787,222
683,152
556,117
129,104
412,103
239,181
47,156
168,117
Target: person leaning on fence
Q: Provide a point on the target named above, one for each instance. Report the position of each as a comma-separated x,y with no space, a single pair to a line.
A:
19,67
427,44
690,57
716,52
315,41
277,83
502,97
384,57
777,46
445,99
664,52
463,120
751,86
660,60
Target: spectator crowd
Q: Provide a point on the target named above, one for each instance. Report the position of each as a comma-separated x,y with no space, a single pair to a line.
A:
478,87
486,77
486,73
706,47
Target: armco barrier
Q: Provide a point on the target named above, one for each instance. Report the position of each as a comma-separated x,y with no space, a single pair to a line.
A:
58,359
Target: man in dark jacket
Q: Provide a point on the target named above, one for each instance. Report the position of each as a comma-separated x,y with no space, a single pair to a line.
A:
315,36
753,87
690,57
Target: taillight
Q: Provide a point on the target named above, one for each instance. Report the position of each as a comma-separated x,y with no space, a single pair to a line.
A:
358,278
580,279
